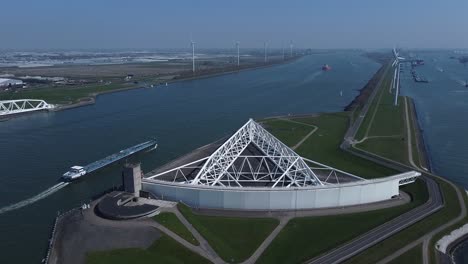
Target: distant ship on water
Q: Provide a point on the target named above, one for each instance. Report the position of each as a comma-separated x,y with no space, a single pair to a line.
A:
326,67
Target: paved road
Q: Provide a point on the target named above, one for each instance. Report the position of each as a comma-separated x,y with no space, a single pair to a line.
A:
427,237
384,231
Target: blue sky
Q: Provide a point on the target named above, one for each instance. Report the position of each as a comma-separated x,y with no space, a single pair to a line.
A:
168,24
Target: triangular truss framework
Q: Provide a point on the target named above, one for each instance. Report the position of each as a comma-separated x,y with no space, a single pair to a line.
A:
273,164
23,105
289,169
253,157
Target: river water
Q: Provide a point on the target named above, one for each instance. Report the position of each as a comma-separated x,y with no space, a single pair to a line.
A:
36,149
442,107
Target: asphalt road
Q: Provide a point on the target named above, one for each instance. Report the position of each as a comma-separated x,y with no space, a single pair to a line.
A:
384,231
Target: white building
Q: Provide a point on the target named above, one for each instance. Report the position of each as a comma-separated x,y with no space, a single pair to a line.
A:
253,170
9,82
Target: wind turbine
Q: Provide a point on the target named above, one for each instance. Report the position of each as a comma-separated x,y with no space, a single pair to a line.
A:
265,50
397,57
192,44
237,46
396,74
291,48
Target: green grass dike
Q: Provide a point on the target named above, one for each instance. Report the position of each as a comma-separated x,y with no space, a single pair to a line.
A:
412,256
233,238
304,238
173,223
401,239
164,250
324,145
64,95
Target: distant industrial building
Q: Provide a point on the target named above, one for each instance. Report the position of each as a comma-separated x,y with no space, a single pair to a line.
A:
10,82
253,170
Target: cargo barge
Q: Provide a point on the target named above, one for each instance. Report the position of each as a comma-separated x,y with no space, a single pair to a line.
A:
76,172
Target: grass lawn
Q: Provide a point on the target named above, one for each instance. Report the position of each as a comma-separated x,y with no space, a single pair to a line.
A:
173,223
234,239
374,104
399,240
323,145
290,133
412,256
307,237
163,250
62,95
388,121
391,148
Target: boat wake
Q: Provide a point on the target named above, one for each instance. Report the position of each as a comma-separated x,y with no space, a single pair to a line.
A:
312,76
34,199
458,80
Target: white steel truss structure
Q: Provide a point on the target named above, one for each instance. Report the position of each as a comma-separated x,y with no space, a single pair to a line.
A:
290,168
272,165
10,107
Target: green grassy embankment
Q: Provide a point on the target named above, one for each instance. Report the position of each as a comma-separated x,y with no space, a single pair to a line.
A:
233,238
417,149
163,250
290,134
173,223
317,235
323,145
401,239
64,95
384,126
412,256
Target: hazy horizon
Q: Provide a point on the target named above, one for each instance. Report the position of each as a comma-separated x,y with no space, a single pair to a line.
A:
53,24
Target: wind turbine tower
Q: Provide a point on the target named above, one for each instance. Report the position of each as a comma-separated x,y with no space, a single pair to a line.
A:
291,48
192,43
238,57
265,50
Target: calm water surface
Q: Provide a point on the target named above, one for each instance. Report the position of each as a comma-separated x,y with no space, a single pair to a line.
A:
35,150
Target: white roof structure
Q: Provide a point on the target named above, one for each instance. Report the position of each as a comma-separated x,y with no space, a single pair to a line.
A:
253,157
253,170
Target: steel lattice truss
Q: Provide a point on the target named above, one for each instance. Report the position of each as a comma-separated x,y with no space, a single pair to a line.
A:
289,169
272,165
24,105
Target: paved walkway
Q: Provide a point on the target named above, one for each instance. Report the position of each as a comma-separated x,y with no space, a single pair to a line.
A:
205,246
267,241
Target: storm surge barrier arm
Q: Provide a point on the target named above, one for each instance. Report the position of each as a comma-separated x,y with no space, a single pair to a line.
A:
10,107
